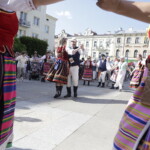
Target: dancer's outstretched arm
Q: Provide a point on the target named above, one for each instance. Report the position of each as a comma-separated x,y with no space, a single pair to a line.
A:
45,2
24,5
132,9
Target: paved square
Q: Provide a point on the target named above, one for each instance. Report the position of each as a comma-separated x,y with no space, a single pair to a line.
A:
88,122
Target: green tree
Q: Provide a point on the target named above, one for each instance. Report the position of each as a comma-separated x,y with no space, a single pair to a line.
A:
34,44
18,46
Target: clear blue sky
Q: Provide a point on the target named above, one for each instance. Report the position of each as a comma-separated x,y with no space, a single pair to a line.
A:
77,15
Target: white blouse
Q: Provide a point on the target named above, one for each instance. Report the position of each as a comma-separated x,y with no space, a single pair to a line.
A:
17,5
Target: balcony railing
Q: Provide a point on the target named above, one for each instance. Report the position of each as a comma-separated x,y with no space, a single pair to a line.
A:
24,23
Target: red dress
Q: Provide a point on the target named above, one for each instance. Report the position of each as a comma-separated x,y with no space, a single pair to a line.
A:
88,73
60,70
8,30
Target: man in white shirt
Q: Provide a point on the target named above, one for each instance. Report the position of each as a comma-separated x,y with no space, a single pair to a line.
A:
74,61
22,60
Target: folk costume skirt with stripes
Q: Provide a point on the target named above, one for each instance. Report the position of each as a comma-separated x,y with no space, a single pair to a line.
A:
7,98
134,130
59,72
136,79
87,74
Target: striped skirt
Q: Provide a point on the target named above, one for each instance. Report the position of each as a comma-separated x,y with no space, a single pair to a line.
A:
134,130
87,74
7,98
136,79
59,72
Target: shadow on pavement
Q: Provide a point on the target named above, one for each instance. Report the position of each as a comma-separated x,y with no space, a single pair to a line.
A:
25,108
27,119
100,101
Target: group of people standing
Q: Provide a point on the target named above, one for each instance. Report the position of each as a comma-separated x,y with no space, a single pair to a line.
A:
36,63
112,71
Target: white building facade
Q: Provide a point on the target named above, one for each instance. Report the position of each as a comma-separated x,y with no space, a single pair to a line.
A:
130,44
121,43
38,24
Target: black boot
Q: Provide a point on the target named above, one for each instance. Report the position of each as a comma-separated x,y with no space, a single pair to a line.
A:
57,92
99,84
60,89
103,85
112,87
43,79
68,92
75,88
117,88
84,82
88,83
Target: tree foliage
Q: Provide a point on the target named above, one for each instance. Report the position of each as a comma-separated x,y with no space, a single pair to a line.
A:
18,46
34,44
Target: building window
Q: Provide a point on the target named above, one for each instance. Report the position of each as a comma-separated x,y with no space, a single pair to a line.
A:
146,40
99,54
127,54
95,43
118,40
23,16
87,44
135,53
144,53
137,40
128,40
117,53
22,33
39,8
46,29
94,54
36,21
79,43
35,35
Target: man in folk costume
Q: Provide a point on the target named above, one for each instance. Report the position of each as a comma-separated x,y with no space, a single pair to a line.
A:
8,30
102,71
74,61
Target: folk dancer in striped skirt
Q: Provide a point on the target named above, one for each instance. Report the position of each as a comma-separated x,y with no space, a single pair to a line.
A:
8,30
137,73
134,131
114,75
60,70
88,73
47,63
